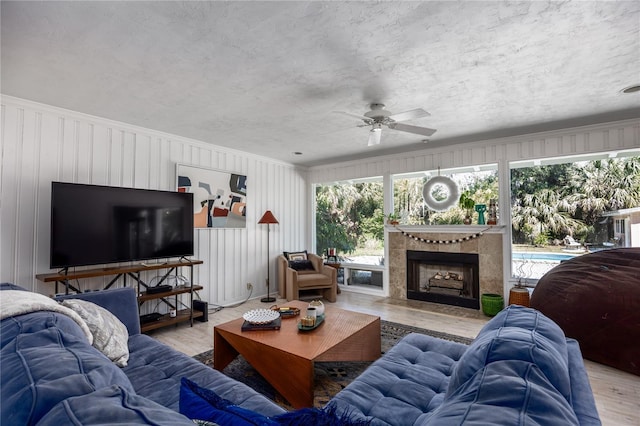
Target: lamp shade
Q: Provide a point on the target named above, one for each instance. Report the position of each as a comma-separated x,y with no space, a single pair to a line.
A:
268,218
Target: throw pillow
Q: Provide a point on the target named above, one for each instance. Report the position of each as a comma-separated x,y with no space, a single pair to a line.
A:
199,403
110,335
319,417
301,265
203,404
296,255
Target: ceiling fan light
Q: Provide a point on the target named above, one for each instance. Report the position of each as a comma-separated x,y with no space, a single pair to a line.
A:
375,135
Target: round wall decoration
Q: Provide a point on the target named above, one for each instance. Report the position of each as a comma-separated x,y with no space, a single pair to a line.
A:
449,201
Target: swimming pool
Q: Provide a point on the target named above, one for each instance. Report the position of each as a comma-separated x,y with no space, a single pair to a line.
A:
541,256
531,264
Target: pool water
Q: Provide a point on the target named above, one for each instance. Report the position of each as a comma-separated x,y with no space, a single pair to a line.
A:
538,256
534,265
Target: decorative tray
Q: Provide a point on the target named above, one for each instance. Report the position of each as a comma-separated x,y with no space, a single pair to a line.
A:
319,320
260,316
286,311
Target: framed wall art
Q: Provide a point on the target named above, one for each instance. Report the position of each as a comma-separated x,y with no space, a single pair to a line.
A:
219,197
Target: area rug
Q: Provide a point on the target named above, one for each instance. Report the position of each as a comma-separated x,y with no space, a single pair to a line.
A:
330,377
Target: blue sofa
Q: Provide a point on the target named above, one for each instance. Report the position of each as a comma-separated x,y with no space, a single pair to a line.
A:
50,375
519,370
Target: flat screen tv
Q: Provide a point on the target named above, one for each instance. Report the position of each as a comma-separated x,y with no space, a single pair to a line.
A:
93,224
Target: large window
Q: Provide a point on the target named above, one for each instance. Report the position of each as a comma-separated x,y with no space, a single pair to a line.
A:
560,208
565,207
350,219
479,183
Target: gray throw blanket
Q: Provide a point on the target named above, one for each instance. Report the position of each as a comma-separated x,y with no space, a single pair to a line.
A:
17,302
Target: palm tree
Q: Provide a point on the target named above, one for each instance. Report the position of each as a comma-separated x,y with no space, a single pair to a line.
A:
570,198
543,213
604,185
408,200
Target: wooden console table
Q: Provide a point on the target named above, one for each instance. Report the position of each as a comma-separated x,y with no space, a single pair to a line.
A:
134,271
181,314
118,271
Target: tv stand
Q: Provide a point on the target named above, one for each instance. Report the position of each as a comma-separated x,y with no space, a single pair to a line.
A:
170,298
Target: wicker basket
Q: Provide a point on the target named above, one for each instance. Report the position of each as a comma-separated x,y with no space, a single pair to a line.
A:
491,304
519,296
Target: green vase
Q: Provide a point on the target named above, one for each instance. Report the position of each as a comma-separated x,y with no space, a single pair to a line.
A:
481,208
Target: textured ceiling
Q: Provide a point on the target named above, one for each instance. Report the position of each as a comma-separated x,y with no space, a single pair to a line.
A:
264,77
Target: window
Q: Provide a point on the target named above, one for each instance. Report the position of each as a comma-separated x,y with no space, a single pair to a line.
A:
350,219
560,207
480,183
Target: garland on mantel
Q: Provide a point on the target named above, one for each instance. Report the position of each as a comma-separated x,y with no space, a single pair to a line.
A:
457,240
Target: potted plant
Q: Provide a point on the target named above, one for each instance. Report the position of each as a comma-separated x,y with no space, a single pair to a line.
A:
392,219
467,203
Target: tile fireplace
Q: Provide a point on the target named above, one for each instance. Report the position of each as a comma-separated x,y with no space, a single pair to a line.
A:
486,248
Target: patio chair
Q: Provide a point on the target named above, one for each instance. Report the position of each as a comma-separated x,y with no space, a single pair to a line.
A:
570,243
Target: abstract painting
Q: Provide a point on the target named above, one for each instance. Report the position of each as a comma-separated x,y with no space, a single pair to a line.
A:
219,197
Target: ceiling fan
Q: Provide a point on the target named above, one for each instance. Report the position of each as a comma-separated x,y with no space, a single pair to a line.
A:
379,116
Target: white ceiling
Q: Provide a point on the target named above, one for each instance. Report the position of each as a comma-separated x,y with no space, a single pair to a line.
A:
264,77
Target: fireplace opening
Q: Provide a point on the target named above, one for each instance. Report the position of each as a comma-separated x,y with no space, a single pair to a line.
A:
448,278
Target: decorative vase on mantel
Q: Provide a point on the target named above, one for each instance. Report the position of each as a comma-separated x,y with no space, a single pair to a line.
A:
467,203
467,219
481,208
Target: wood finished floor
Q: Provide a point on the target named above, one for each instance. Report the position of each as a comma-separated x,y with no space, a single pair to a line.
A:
617,393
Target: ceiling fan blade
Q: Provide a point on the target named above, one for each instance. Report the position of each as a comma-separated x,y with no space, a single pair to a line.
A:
374,137
409,115
361,117
412,129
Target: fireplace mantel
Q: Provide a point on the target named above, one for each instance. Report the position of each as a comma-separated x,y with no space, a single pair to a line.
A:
448,229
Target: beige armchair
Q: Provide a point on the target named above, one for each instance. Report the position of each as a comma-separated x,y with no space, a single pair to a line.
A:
322,277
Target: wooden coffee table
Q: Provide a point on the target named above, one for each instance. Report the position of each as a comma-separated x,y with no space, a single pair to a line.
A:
286,357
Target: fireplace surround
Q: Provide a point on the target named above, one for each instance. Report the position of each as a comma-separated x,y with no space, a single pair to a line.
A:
488,248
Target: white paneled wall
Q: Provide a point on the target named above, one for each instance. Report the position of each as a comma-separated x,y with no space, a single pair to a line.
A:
41,144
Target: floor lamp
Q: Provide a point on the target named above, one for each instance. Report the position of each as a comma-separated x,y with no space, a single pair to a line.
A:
267,219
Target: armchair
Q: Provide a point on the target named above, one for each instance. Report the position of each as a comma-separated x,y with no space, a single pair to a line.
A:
321,277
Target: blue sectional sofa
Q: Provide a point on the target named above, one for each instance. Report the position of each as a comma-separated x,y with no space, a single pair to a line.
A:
519,370
50,375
